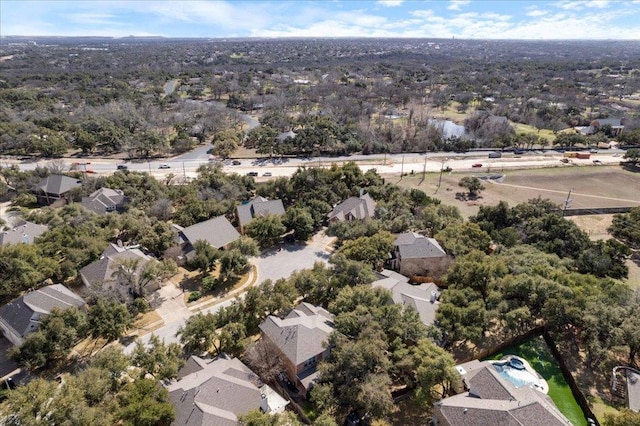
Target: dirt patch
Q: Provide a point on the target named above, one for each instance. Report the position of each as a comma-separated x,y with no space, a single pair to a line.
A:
594,225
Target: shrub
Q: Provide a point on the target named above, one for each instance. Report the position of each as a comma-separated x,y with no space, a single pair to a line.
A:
194,295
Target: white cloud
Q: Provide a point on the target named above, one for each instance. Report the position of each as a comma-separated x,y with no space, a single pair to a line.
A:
599,4
457,4
390,3
534,13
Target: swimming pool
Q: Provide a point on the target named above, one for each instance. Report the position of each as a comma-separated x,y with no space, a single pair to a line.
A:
514,370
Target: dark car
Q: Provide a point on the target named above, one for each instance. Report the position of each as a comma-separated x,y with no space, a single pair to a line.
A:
122,167
235,163
252,174
476,165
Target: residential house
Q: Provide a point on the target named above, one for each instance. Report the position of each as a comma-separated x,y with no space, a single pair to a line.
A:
105,200
55,189
300,340
216,392
617,125
282,137
490,399
257,207
423,297
417,255
26,232
362,207
218,232
118,272
22,316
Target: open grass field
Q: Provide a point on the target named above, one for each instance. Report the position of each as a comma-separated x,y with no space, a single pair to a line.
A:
536,352
591,187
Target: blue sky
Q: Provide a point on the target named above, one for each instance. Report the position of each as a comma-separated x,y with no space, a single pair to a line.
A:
471,19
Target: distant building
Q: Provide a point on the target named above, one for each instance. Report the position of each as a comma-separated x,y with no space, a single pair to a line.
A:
22,316
417,255
300,338
26,232
104,200
286,135
422,297
216,392
257,207
617,125
362,207
218,232
490,399
55,188
107,275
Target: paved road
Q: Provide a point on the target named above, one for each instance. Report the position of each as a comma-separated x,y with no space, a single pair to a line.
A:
272,265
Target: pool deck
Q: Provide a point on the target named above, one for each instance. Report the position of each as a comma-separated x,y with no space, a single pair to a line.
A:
544,386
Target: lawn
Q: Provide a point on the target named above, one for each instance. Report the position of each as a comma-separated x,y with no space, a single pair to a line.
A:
536,352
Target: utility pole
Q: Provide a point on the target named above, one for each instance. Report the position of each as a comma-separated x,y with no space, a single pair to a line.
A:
566,203
402,168
424,168
184,171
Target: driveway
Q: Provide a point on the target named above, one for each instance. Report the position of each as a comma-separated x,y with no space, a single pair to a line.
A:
272,265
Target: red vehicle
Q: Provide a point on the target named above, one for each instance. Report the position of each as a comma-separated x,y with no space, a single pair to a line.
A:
477,165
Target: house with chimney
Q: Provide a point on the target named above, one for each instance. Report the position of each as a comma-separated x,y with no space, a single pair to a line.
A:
105,200
423,298
300,340
257,207
55,189
353,208
417,255
218,232
491,399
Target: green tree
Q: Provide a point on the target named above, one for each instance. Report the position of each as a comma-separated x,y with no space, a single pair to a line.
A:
206,256
626,227
472,184
29,404
373,250
433,368
109,320
232,264
58,333
460,238
161,360
258,418
266,230
197,334
144,402
625,417
246,245
225,142
300,221
632,155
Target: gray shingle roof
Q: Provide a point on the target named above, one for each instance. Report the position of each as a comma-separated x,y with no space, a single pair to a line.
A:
257,207
422,298
58,184
23,233
302,334
494,401
362,207
102,270
217,393
217,231
415,246
18,313
104,200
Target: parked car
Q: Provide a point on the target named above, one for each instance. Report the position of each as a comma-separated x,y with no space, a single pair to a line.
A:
476,165
267,174
252,174
495,155
564,160
122,167
235,163
597,162
164,166
593,151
